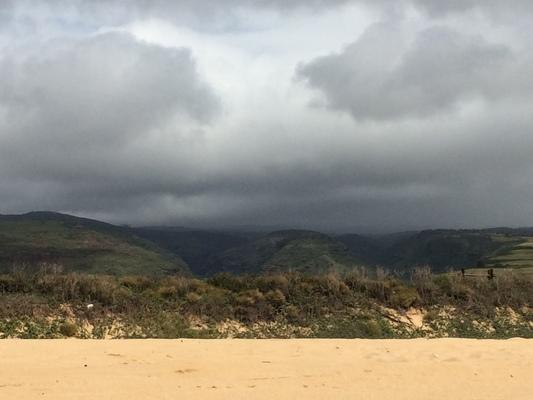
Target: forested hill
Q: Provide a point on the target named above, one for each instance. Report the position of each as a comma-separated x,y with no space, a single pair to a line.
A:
86,245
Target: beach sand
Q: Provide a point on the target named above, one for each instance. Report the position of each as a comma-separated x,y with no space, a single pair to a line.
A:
266,369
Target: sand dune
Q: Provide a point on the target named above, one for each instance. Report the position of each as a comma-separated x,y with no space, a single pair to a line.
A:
267,369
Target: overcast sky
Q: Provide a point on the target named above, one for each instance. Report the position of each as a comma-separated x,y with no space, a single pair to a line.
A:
376,115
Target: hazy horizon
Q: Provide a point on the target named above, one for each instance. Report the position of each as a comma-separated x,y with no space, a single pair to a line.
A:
347,115
264,228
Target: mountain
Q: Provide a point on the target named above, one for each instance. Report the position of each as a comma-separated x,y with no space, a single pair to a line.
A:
368,250
80,244
196,247
87,245
297,250
210,252
444,249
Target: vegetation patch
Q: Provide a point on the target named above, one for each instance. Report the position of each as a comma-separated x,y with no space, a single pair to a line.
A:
350,305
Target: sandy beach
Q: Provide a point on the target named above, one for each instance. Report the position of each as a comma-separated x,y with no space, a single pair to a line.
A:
266,369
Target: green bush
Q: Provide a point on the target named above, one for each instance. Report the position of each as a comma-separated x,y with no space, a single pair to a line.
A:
371,328
404,297
68,329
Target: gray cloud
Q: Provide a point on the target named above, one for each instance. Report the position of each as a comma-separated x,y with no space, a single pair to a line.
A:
374,79
197,12
206,15
108,88
70,110
431,125
493,7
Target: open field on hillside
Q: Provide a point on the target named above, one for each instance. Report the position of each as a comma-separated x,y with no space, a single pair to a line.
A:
516,255
482,272
267,369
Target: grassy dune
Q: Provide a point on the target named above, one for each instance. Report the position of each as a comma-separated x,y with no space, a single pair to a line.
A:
266,306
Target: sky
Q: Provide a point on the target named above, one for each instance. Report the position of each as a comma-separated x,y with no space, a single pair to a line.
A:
340,115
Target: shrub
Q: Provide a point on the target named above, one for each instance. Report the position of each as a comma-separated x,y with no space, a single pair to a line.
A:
198,286
357,279
228,281
332,284
275,297
8,284
193,297
136,283
455,287
371,328
183,285
167,292
249,297
293,314
431,316
423,282
273,282
404,297
68,329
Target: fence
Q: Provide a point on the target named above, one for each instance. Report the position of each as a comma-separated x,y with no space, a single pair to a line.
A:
490,274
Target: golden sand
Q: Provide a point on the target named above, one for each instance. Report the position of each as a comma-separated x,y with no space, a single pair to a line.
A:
266,369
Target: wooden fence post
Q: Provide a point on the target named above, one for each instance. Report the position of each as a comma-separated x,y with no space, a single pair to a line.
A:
490,273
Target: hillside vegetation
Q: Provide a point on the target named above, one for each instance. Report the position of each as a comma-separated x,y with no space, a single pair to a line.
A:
79,244
443,250
303,251
210,252
66,276
196,247
352,305
516,252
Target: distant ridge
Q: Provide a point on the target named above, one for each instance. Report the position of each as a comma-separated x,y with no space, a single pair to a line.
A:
84,244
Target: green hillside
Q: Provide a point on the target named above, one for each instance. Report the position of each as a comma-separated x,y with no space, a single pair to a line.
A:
196,247
210,252
516,252
369,250
445,249
295,250
80,244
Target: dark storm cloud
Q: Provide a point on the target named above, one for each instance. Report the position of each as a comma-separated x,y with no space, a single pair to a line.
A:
431,126
373,79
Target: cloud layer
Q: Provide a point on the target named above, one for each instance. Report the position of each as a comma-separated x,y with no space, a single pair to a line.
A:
376,78
340,115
